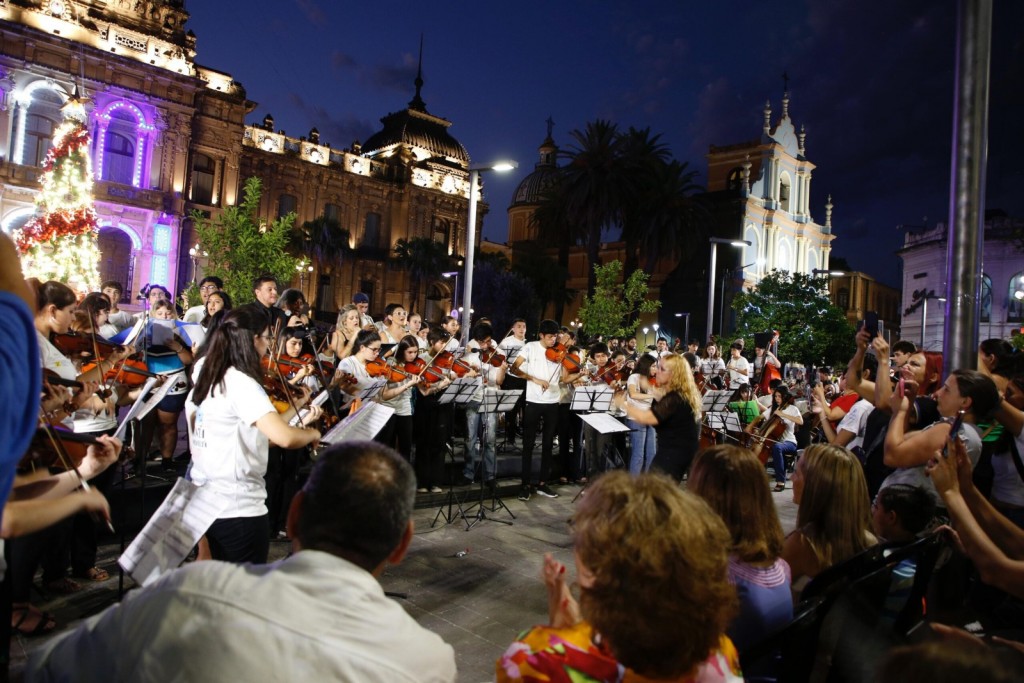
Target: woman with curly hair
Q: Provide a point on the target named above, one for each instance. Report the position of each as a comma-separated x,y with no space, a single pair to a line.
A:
731,480
651,566
674,414
833,518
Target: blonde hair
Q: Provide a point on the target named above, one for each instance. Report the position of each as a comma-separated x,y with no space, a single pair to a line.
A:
835,509
681,381
660,595
731,480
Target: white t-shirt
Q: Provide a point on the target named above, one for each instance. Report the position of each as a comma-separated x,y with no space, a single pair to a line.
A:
229,453
736,378
916,476
536,365
790,433
710,367
854,422
634,381
195,314
1007,486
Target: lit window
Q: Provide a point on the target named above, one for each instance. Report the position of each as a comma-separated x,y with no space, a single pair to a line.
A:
119,164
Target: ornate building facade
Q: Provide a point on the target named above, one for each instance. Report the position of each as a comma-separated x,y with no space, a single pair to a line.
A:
170,136
758,191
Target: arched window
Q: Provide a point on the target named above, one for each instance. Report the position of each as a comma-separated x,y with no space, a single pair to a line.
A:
203,169
41,119
1015,305
784,191
119,157
286,204
986,298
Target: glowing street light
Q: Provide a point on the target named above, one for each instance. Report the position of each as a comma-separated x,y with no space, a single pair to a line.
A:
715,241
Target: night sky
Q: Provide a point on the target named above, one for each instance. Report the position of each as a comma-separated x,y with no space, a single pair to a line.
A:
871,81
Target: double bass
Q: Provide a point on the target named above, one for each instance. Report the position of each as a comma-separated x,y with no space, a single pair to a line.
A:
769,371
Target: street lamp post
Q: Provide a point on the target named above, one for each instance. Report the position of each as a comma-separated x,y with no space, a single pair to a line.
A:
194,253
467,287
730,273
455,292
686,334
303,267
656,327
646,330
715,241
930,294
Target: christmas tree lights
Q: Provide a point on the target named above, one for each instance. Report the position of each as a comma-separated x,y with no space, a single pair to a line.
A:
61,241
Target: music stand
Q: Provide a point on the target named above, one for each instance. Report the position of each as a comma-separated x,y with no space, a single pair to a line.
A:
495,402
592,399
459,393
715,401
510,359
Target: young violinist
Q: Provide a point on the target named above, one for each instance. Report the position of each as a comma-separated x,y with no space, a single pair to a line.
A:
783,409
231,424
639,394
393,326
491,377
415,326
172,360
542,394
366,355
431,421
344,337
398,432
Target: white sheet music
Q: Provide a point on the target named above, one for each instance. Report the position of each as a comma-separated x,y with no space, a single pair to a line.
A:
603,423
135,409
362,425
162,331
171,533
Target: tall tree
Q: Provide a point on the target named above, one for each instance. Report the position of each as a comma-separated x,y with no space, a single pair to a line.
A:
242,246
424,259
61,241
642,157
811,329
547,277
673,217
323,241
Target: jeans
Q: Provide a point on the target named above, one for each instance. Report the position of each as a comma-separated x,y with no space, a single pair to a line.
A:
642,446
490,420
534,413
779,460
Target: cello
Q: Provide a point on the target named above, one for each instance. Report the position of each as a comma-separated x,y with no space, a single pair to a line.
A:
771,431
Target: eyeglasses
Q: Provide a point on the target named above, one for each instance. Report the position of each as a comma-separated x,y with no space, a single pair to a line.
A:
208,288
266,337
375,349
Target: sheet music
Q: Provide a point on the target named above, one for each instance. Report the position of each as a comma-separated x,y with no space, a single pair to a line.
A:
127,336
362,425
174,529
603,423
193,333
136,407
375,387
596,397
318,400
162,331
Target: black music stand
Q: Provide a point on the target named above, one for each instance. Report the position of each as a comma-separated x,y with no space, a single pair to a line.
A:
510,359
716,402
458,393
499,401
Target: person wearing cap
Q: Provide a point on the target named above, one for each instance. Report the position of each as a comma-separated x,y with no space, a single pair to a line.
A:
362,303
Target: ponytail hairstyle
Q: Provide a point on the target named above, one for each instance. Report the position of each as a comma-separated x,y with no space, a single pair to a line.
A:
231,345
52,292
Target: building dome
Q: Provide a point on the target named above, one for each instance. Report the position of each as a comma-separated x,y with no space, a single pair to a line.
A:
417,129
544,175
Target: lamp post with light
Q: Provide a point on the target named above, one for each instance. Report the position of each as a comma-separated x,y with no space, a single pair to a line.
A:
467,287
656,327
646,330
304,268
686,333
715,241
455,291
194,254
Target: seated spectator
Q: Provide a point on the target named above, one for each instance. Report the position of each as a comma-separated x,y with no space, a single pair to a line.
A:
898,514
319,615
651,565
731,480
833,521
952,660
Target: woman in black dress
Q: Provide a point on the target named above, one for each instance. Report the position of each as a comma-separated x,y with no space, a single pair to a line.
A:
674,414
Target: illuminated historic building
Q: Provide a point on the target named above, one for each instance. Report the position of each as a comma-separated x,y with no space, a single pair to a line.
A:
759,191
170,137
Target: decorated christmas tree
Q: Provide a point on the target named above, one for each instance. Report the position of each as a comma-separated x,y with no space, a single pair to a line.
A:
60,242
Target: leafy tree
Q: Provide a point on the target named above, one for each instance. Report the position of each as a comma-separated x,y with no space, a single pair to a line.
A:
613,308
323,241
811,329
242,246
424,259
503,296
498,259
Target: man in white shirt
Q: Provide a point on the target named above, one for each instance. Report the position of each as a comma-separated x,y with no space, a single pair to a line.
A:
510,346
542,395
319,615
207,286
491,378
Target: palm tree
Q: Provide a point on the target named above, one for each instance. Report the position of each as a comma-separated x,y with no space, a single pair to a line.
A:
592,186
643,158
323,241
674,218
424,259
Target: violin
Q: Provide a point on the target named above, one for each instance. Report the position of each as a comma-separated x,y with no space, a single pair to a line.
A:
83,343
43,453
130,372
420,368
379,367
51,377
281,394
560,354
610,375
447,361
489,356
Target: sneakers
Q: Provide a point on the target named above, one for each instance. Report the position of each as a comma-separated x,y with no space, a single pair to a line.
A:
543,490
524,493
436,489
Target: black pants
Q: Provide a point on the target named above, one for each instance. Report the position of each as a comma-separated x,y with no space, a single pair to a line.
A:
282,484
397,434
534,413
514,417
433,424
25,553
570,430
240,539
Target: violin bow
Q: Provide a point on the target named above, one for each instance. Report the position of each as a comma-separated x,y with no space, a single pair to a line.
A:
67,462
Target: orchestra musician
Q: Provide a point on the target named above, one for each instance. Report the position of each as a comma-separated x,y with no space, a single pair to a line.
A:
640,393
509,347
431,421
491,377
782,409
398,432
231,424
674,413
712,366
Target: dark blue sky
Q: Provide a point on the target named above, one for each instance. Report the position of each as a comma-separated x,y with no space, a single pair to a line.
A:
871,81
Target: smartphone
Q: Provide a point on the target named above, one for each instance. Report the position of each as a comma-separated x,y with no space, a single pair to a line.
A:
954,432
871,323
901,388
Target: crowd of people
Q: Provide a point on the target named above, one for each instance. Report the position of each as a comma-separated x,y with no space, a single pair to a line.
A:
681,563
